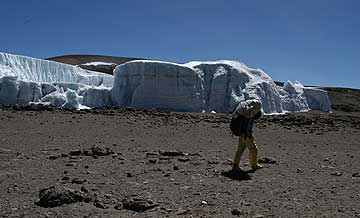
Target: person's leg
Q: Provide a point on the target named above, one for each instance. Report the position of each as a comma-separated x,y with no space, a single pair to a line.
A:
251,145
239,151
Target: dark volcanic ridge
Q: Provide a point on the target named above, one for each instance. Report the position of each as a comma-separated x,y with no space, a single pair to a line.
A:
80,60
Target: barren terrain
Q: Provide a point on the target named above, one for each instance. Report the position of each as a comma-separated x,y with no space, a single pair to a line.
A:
126,163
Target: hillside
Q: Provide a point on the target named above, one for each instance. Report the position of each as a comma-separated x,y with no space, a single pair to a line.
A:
81,60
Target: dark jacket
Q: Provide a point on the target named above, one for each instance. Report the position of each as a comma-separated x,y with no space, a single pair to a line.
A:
247,124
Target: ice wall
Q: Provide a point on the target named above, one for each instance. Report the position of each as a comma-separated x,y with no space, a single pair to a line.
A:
37,70
155,84
24,80
195,86
206,86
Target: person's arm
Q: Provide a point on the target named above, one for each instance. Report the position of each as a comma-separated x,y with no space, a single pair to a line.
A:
257,115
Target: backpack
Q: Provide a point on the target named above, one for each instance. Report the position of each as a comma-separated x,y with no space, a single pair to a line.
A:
235,125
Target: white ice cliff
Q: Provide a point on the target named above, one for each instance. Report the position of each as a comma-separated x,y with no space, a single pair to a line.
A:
195,86
208,86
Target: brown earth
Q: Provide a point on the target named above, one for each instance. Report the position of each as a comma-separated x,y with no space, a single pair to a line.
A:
80,60
125,163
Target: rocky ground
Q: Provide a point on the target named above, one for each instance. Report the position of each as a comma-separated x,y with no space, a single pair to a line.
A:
125,163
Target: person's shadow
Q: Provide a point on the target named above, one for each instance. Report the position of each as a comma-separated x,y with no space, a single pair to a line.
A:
238,175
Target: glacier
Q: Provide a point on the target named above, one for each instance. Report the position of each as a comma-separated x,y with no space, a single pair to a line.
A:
197,86
208,86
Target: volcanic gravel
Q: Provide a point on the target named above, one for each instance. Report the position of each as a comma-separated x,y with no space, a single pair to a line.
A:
119,162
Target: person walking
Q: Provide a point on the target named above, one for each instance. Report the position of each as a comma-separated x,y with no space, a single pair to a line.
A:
242,124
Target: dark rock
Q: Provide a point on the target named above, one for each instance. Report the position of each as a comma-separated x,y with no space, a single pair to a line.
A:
138,204
336,173
64,155
71,164
152,154
54,157
213,162
183,159
78,181
236,212
101,151
75,153
83,189
88,152
100,204
56,196
118,206
356,175
172,153
65,178
195,154
175,167
153,161
129,175
267,160
182,212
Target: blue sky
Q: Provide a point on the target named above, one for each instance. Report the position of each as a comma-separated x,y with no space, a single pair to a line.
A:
313,41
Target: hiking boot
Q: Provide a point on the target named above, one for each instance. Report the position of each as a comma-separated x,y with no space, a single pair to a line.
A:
257,167
236,169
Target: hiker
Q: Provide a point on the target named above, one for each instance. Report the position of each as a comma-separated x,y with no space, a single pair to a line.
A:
241,125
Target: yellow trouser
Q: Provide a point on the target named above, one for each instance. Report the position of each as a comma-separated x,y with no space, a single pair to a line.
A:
249,142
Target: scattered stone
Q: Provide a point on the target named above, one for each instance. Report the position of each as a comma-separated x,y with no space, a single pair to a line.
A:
100,204
54,156
83,189
78,181
138,204
152,154
108,196
336,173
118,206
326,159
64,155
172,153
267,160
204,203
153,161
167,210
213,162
101,151
356,175
88,199
65,178
56,196
75,153
182,212
71,164
183,159
97,151
299,170
236,212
